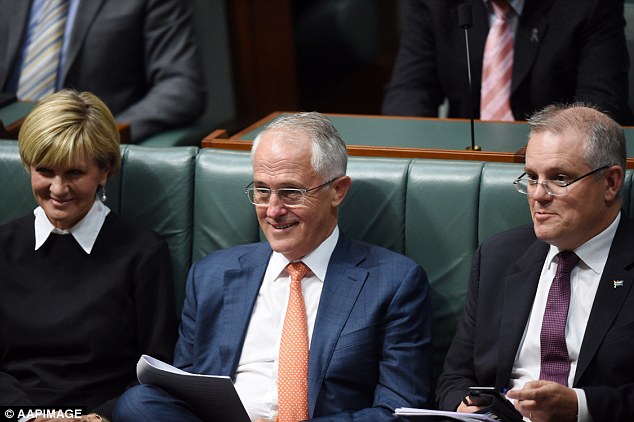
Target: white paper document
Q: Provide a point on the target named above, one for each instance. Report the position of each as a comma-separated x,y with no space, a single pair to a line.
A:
212,397
421,414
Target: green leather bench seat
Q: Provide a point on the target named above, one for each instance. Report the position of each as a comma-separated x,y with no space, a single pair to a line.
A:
435,211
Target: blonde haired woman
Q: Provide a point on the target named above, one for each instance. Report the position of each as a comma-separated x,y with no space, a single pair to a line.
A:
83,293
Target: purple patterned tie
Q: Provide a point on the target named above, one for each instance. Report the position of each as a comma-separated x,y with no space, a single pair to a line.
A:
555,363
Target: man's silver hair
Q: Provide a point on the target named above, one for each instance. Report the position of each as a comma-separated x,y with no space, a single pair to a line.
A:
329,156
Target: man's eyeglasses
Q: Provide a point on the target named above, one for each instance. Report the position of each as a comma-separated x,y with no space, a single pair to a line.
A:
290,197
527,186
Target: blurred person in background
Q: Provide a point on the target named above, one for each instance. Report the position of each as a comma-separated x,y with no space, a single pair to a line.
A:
524,55
140,57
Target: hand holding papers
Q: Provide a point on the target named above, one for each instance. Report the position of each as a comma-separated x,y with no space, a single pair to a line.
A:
213,398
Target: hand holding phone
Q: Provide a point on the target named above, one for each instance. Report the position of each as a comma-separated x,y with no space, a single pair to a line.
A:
484,396
493,402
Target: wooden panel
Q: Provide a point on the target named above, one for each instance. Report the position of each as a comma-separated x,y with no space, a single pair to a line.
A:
215,140
12,115
11,130
263,57
242,141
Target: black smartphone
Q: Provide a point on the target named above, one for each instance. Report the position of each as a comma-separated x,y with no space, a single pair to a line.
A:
484,396
494,403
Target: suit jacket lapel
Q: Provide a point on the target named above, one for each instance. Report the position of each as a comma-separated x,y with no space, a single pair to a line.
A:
86,13
530,31
344,280
241,287
609,298
519,295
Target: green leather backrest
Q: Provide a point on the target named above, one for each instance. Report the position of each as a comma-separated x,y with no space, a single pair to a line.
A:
15,184
441,235
501,206
223,216
374,209
157,192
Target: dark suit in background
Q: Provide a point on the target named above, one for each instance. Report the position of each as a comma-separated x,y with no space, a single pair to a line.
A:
565,50
139,56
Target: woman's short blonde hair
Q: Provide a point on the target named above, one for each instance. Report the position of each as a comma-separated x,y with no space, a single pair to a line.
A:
66,125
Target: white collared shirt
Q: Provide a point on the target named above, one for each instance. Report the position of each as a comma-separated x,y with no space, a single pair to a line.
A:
85,231
256,376
584,282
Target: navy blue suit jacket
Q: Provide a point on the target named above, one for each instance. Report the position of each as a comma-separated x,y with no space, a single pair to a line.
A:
371,347
504,278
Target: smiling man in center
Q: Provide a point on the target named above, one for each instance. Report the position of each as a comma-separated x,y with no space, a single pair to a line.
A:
309,324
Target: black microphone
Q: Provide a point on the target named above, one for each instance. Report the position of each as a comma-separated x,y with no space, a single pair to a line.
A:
465,21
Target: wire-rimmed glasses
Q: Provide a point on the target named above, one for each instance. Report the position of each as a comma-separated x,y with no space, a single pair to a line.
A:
290,197
527,186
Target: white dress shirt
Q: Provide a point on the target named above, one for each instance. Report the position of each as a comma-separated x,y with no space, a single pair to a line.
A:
584,282
85,231
256,376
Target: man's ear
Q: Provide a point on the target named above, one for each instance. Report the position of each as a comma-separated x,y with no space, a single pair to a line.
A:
614,182
340,187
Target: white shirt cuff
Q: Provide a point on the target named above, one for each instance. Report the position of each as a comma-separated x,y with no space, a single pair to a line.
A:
583,415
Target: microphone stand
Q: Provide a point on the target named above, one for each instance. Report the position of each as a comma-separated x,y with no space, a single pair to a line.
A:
465,21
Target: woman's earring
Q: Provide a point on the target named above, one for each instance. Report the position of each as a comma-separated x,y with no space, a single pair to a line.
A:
103,194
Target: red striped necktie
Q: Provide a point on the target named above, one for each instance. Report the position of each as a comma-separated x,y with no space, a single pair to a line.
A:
497,66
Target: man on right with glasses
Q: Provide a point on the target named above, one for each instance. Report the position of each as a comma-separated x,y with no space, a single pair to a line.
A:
549,314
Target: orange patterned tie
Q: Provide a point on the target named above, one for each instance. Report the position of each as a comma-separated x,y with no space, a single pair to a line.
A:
497,66
292,378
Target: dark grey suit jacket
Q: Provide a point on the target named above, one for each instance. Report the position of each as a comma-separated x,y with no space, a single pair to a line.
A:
504,278
565,50
139,56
